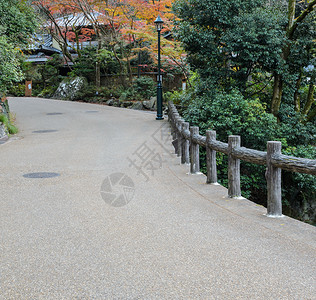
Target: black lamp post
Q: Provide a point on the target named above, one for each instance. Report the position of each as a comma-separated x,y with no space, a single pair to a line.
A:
159,26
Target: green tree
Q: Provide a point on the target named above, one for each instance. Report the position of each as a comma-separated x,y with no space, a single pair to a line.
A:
256,61
300,32
230,43
203,31
17,20
17,23
10,70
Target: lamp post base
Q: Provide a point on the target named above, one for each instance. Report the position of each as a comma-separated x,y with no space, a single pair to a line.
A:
159,100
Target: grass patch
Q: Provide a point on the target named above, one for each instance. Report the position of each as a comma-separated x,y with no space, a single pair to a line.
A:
8,125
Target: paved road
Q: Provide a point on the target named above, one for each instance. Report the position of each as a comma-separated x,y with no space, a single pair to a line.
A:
124,220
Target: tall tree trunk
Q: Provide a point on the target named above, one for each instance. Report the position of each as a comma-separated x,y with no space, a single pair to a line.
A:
98,68
278,81
297,101
130,72
138,66
121,75
311,115
97,75
310,97
291,13
78,50
277,94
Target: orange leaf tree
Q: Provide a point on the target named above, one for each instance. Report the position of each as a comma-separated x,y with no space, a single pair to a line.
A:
125,27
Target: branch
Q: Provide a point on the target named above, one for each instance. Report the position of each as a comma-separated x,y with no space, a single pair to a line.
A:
311,115
302,16
257,92
59,35
260,81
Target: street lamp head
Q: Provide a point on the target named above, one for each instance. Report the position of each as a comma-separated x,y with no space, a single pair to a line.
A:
159,23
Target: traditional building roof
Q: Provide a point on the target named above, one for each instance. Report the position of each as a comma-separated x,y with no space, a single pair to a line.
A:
39,46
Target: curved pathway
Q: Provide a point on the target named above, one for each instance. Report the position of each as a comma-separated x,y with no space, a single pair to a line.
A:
94,205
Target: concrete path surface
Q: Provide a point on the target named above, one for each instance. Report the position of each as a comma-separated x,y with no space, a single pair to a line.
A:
95,205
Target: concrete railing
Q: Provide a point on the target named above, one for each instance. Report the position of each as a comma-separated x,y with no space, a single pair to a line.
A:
187,141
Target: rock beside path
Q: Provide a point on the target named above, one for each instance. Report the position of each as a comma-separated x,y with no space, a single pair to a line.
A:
137,105
69,89
150,104
3,135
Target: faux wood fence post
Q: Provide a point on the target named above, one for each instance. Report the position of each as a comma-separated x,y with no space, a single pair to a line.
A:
211,158
171,120
185,158
233,168
179,136
169,112
273,176
176,116
172,130
194,152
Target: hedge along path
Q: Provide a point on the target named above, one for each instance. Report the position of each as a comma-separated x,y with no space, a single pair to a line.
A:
187,141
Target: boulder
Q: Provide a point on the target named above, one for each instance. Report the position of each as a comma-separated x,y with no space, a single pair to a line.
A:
150,104
137,105
3,135
116,103
126,103
69,89
110,102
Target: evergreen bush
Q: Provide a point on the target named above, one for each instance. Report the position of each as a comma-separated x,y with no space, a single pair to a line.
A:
230,113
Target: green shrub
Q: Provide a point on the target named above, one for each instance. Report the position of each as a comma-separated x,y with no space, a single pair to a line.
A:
144,87
11,129
232,114
228,114
4,119
87,94
105,92
123,97
299,190
85,65
47,92
17,90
